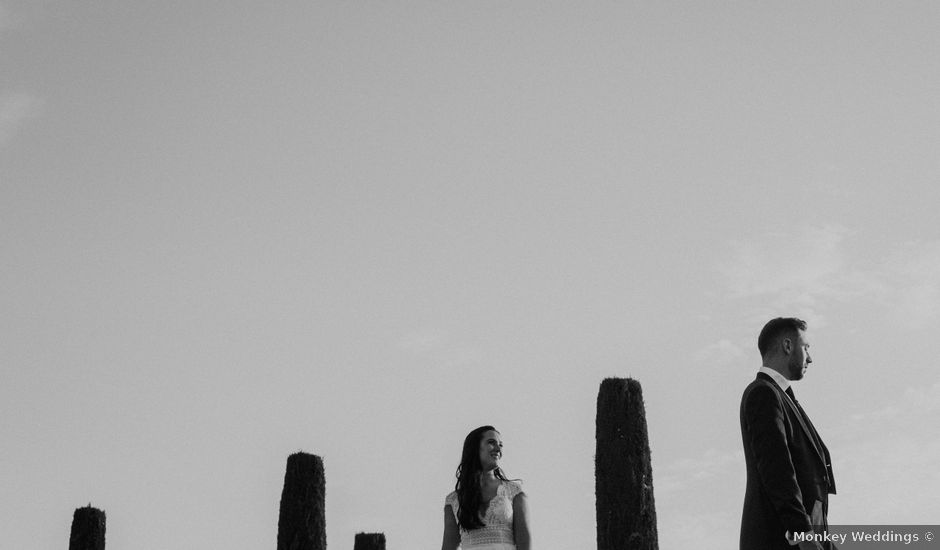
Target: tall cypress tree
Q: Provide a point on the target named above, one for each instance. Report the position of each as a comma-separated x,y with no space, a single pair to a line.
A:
626,515
301,524
369,541
88,525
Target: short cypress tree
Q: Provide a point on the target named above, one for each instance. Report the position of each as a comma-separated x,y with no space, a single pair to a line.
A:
626,515
88,525
369,541
301,524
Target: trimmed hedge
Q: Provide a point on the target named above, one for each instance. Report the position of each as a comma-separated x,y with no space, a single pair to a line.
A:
369,541
301,524
626,514
88,526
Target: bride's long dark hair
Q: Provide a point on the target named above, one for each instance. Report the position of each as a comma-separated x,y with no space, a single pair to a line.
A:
469,492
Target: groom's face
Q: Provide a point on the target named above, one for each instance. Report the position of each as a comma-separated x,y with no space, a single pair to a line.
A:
799,358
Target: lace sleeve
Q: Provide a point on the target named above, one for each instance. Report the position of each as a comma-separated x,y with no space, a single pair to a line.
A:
451,500
513,488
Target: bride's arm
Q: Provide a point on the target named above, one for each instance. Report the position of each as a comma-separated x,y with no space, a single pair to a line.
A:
520,522
451,534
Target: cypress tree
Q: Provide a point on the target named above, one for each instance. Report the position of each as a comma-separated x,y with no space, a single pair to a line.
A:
369,541
301,524
88,526
626,515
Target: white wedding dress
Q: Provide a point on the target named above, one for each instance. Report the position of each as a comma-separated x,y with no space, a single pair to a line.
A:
497,533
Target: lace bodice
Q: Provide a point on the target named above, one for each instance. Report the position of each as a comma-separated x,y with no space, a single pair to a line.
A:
497,533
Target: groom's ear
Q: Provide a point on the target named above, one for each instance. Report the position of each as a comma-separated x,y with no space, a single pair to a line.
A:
786,346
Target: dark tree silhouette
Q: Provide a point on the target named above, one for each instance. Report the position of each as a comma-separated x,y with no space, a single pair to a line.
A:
88,526
301,524
369,541
626,514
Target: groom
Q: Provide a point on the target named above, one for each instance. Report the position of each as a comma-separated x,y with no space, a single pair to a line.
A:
789,473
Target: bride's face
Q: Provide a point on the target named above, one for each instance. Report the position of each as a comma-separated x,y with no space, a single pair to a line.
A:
491,450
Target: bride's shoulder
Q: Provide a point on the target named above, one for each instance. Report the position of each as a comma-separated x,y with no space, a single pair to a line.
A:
451,499
512,488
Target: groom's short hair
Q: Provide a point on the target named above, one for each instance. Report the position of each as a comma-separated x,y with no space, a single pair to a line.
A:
776,329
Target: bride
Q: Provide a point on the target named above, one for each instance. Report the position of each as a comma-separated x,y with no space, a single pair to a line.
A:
487,511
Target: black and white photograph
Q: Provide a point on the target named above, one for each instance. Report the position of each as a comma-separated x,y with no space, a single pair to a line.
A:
479,275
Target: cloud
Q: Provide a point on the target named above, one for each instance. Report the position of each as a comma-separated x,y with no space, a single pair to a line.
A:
19,18
722,352
916,404
807,271
914,270
679,475
15,109
698,500
888,460
438,347
778,261
711,529
422,341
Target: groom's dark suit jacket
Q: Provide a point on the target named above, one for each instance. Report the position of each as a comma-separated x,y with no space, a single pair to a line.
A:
789,473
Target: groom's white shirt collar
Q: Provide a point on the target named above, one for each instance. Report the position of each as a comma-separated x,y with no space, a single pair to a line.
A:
778,378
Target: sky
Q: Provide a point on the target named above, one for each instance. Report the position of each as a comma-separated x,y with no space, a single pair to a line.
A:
231,231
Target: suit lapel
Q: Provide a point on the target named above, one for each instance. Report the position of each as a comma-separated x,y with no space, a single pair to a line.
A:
808,428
